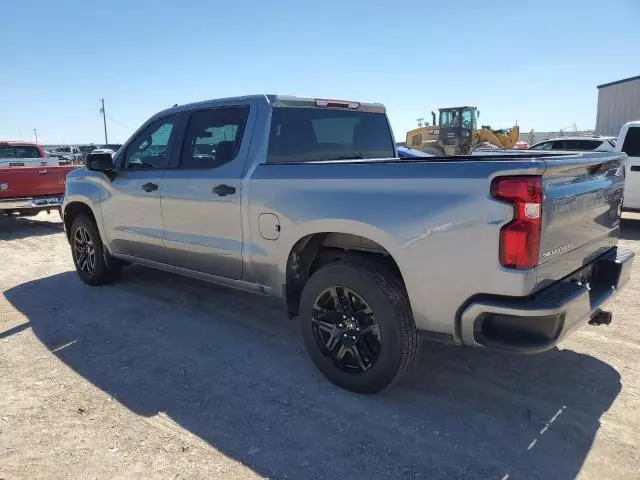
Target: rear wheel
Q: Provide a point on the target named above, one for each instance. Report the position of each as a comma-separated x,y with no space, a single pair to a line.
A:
93,263
357,325
434,150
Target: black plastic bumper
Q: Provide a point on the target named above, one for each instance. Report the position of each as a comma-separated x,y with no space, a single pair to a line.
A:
537,323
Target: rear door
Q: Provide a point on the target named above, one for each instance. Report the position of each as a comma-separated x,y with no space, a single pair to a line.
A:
201,193
631,146
131,205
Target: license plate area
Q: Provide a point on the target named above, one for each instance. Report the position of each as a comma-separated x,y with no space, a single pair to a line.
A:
583,277
43,202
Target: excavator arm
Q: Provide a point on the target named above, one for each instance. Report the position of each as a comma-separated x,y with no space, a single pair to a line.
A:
496,138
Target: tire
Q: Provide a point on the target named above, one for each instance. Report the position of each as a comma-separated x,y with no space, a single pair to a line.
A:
104,268
386,352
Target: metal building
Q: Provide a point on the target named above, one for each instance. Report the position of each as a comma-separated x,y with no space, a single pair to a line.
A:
618,103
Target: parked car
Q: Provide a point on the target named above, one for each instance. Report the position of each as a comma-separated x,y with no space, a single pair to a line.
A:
28,182
112,146
404,152
629,143
86,150
70,153
304,199
600,144
103,150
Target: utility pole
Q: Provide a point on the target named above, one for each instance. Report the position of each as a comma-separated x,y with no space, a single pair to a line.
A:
35,132
104,120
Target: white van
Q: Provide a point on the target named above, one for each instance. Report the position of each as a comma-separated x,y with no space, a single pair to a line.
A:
629,143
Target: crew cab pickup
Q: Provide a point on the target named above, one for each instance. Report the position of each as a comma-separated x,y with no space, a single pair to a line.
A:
305,199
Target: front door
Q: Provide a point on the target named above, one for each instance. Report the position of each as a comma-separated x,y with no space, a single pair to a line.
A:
631,147
201,193
131,205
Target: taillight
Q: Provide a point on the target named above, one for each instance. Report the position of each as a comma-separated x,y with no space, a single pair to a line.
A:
520,238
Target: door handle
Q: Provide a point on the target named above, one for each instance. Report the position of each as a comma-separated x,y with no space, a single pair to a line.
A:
222,190
149,187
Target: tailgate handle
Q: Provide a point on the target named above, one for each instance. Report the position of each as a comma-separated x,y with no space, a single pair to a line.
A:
635,168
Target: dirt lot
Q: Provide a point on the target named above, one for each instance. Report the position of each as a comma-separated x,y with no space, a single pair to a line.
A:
162,377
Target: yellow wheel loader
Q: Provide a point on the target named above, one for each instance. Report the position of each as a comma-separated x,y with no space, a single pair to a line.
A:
457,134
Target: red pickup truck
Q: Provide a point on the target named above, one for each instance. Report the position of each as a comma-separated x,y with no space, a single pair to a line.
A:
28,184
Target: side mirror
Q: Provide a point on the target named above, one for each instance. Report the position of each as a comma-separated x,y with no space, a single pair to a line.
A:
100,162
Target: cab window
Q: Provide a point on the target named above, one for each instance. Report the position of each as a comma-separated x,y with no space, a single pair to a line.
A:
150,149
467,119
213,137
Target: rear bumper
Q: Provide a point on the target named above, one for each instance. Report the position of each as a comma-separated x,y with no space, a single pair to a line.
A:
537,323
29,203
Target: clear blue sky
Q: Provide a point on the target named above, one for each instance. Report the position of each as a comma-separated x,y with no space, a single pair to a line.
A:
535,62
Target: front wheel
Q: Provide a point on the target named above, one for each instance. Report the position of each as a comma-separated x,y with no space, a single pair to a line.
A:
93,263
357,325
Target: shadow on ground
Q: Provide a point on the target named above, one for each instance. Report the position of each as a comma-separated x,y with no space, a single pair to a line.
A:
229,367
13,227
630,228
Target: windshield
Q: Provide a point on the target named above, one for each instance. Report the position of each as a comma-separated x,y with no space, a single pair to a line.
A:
317,134
458,118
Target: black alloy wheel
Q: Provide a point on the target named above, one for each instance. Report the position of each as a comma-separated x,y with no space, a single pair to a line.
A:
357,324
93,263
346,330
84,251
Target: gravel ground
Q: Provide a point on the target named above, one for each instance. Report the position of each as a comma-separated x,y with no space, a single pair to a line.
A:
161,377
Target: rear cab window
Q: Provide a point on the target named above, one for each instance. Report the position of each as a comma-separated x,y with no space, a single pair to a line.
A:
23,151
308,134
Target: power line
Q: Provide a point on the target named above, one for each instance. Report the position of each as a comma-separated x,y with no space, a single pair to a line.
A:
119,123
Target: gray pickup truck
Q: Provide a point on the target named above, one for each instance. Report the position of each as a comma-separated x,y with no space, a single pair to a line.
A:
305,199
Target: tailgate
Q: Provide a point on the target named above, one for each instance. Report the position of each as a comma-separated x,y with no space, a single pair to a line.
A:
582,197
32,181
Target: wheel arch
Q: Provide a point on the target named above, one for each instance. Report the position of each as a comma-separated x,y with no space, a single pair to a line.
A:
318,248
75,208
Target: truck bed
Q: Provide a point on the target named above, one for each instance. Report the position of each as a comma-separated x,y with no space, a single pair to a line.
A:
438,212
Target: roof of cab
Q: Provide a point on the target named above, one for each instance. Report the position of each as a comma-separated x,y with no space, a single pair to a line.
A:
270,99
18,143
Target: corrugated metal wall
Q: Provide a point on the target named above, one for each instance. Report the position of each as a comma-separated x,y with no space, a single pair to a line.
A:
617,104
